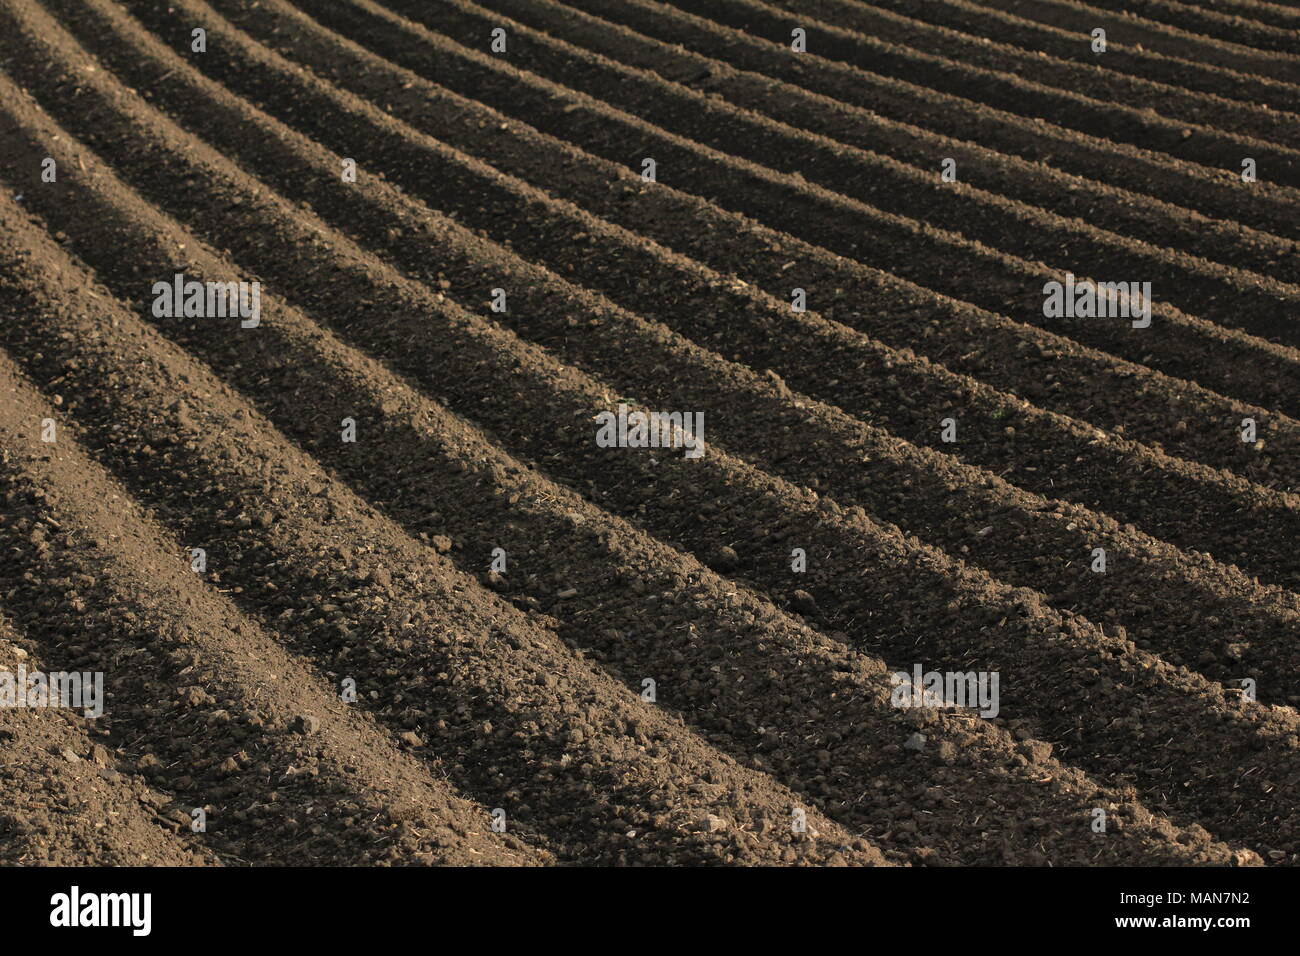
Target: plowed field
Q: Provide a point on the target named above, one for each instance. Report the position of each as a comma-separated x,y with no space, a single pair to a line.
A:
363,581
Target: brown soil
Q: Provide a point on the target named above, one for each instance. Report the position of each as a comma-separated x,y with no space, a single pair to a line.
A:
483,696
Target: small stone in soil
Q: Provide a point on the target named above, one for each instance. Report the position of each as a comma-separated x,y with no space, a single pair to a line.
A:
306,724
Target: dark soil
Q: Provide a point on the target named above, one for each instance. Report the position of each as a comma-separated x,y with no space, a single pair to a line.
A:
485,695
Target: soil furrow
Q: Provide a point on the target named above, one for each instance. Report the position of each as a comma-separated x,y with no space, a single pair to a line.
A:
1136,31
1076,459
833,448
1204,145
895,21
389,561
742,247
1176,343
1217,25
977,21
575,760
1088,201
589,261
201,699
686,667
1272,14
1120,211
1218,195
1187,281
294,366
66,795
732,504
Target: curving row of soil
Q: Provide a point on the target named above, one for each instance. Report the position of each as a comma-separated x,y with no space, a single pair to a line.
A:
1265,374
628,618
646,679
1178,38
897,478
201,701
67,797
